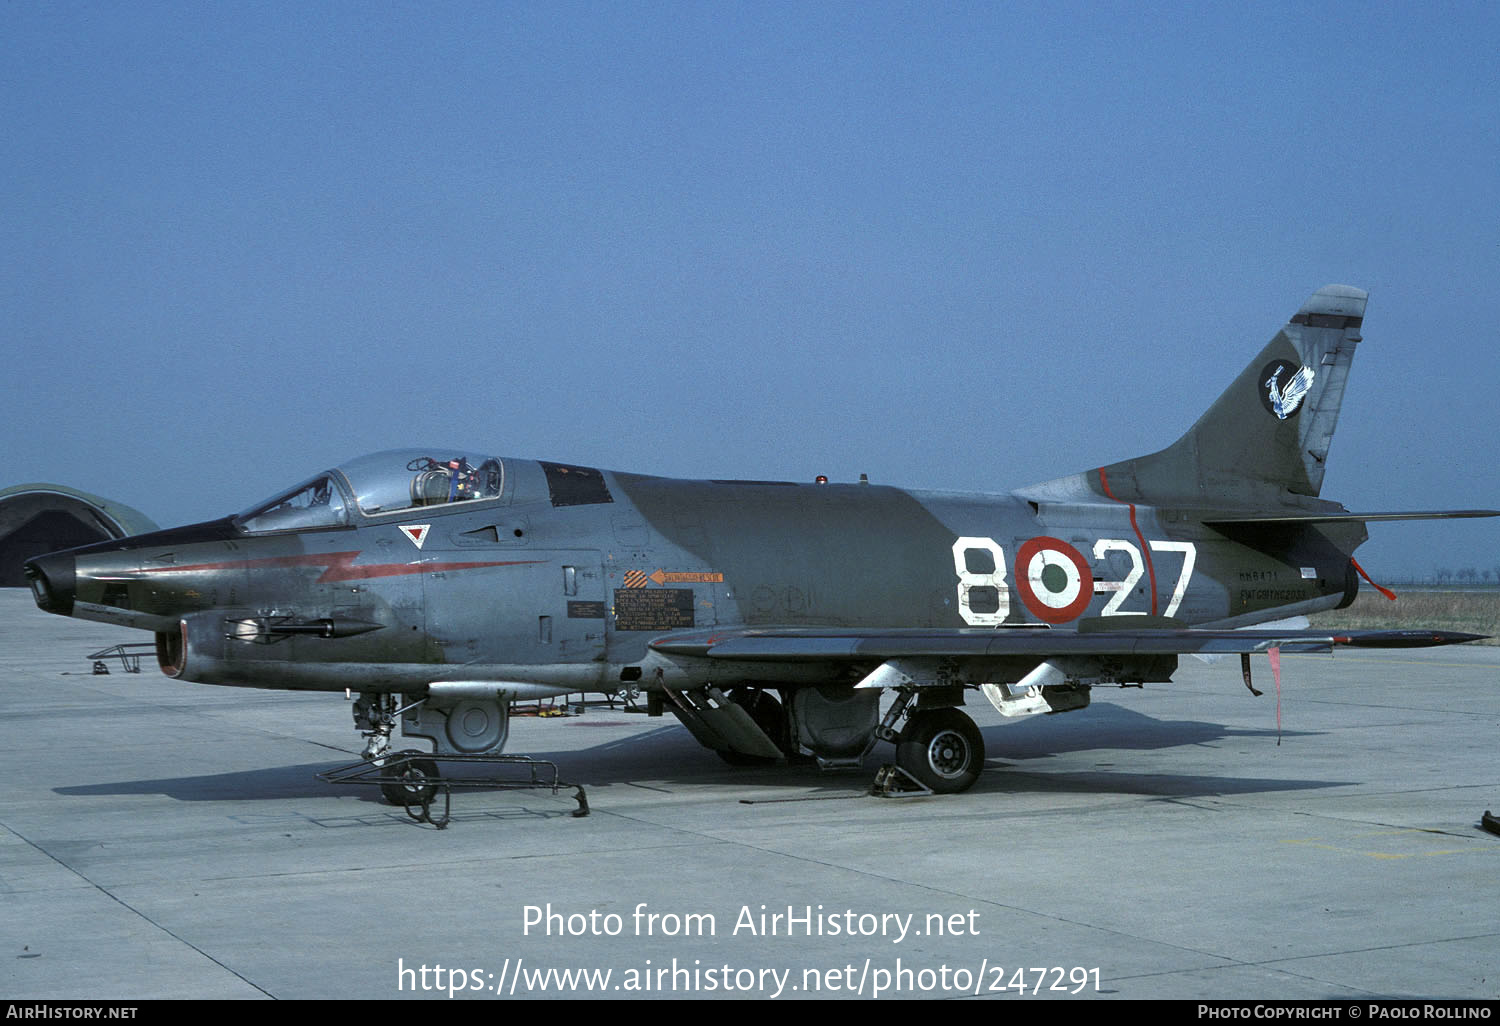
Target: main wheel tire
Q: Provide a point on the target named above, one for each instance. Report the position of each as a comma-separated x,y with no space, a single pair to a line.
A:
417,781
769,716
942,749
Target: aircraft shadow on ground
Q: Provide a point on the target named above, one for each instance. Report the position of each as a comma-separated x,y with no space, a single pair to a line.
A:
668,757
1105,727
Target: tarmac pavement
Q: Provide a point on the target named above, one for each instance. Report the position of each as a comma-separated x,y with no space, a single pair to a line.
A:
168,840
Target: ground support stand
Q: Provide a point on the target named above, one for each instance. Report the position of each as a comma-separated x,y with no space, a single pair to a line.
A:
411,779
129,656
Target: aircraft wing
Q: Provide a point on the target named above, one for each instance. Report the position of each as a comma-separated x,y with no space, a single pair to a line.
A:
1307,519
806,644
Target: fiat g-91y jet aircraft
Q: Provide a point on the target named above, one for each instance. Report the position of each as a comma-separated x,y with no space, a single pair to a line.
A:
770,616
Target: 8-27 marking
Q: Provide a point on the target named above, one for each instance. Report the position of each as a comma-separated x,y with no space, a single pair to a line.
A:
1055,580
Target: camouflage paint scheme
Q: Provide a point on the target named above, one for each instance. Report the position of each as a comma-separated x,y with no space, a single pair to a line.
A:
465,582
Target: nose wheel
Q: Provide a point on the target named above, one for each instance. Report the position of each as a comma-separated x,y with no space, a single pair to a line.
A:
942,749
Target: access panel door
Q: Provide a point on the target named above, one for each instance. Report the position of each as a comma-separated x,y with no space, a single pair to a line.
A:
527,608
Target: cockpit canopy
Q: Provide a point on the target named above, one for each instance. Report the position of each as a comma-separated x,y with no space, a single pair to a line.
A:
384,482
404,478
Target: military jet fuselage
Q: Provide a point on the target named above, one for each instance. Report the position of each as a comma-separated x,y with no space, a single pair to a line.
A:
565,575
464,582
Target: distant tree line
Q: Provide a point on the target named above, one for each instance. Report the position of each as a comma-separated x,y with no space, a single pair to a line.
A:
1467,577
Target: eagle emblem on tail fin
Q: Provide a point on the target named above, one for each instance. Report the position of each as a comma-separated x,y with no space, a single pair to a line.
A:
1284,400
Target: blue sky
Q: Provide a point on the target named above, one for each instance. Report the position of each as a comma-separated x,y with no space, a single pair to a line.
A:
956,246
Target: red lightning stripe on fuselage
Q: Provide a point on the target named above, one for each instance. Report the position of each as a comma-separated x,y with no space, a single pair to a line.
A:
1145,549
339,566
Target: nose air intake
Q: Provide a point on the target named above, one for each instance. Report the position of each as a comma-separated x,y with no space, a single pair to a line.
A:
53,582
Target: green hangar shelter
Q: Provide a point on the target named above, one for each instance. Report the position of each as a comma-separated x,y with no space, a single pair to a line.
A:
39,518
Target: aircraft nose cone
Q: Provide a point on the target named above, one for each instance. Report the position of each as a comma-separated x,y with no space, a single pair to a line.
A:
53,581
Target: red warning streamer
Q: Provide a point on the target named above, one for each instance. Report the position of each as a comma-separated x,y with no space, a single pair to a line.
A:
1275,654
1388,593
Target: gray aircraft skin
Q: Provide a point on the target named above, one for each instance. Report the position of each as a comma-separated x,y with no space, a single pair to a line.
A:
770,616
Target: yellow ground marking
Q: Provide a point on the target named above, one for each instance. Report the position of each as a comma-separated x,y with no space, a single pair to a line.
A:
1412,834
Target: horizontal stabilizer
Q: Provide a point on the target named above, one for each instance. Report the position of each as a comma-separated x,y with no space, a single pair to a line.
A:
795,644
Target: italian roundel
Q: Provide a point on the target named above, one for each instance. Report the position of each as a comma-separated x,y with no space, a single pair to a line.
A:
1053,579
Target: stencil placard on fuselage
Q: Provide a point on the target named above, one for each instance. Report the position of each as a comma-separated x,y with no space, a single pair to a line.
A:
653,609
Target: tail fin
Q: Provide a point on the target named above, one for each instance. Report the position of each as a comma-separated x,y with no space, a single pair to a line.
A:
1269,433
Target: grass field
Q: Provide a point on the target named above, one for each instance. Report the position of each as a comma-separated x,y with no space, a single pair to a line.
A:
1474,612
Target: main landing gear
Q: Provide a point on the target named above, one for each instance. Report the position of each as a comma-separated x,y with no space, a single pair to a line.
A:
938,751
941,749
